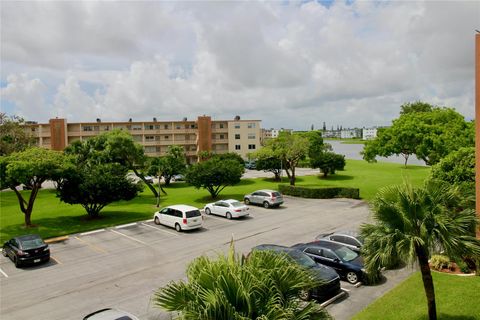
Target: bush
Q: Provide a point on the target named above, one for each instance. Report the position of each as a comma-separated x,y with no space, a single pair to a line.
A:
439,262
319,193
463,266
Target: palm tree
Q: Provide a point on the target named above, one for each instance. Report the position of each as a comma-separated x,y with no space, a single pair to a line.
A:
411,223
263,286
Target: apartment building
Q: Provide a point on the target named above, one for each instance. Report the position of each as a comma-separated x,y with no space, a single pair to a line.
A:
369,133
272,133
202,134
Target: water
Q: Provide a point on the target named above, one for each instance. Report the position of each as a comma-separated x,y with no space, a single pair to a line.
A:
352,151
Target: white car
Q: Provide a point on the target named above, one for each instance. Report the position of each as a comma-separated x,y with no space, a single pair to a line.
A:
110,314
180,216
227,208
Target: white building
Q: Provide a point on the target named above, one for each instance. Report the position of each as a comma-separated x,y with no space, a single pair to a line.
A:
350,133
369,133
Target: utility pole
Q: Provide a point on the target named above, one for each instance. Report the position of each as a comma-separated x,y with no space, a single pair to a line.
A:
477,127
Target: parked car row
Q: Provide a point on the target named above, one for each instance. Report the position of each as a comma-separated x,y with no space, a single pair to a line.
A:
185,217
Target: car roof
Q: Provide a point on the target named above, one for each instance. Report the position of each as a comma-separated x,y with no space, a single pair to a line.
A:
266,190
182,207
347,233
109,314
28,237
273,247
324,244
229,201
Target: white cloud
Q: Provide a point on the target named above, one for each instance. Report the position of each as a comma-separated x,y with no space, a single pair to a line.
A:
291,65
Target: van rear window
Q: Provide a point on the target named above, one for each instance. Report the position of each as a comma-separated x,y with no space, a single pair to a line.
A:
193,213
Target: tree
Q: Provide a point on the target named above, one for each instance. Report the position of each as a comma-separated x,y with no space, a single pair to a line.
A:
456,168
430,135
412,223
13,136
265,285
96,186
267,161
31,167
290,149
214,175
328,162
174,162
230,156
417,106
113,147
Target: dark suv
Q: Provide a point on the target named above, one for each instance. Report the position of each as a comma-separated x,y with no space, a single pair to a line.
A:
28,249
330,282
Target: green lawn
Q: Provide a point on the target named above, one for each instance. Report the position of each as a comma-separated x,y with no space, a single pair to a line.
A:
54,218
456,297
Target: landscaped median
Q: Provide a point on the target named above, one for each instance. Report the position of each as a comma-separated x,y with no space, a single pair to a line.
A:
457,297
55,218
319,192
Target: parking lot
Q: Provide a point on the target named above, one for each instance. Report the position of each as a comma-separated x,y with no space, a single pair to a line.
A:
121,267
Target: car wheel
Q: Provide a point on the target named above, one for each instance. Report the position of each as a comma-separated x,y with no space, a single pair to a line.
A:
246,201
266,205
16,262
304,295
352,277
156,220
207,211
228,215
177,227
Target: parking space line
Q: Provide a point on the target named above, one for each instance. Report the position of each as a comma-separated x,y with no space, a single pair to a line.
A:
126,225
56,260
159,229
2,272
91,232
92,246
217,218
131,238
338,296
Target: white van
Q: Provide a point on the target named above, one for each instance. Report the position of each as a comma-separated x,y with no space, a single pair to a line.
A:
180,216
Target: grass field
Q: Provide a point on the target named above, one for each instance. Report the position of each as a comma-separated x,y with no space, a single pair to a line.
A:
456,298
55,218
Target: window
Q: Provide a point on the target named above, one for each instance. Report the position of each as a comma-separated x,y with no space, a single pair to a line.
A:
237,125
192,126
329,255
165,126
237,147
149,138
251,136
221,125
222,136
314,251
87,128
178,127
237,136
149,127
137,127
150,149
166,137
251,147
33,129
251,125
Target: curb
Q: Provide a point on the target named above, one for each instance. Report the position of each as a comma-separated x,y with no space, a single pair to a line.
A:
56,239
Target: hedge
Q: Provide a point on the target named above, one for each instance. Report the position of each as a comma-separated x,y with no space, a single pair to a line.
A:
319,193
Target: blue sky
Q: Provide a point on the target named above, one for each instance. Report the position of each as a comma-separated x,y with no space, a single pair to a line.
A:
291,64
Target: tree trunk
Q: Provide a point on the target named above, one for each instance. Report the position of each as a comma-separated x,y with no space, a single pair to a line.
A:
141,176
292,177
27,207
427,281
406,159
159,188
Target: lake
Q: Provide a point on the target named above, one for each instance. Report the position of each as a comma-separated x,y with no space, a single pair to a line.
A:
352,151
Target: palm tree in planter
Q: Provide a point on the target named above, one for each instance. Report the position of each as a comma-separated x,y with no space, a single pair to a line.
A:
411,223
263,286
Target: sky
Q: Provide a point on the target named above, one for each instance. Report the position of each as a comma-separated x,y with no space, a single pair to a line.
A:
289,64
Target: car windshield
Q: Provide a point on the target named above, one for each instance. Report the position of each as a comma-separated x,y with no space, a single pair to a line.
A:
33,243
237,204
346,254
193,213
276,194
302,259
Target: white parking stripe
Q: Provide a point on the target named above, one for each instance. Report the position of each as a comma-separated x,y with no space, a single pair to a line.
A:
6,276
126,225
131,238
91,232
216,218
159,229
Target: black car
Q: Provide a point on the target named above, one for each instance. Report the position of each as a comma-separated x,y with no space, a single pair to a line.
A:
330,282
28,249
345,261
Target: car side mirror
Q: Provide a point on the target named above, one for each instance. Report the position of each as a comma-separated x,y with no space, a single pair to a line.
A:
336,260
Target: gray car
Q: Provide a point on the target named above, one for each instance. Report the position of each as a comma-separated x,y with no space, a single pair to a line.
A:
350,239
266,198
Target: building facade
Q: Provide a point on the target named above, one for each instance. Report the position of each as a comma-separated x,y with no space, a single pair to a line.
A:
202,134
369,133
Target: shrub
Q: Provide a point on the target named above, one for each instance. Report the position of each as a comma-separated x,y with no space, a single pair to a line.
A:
463,266
439,262
319,193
